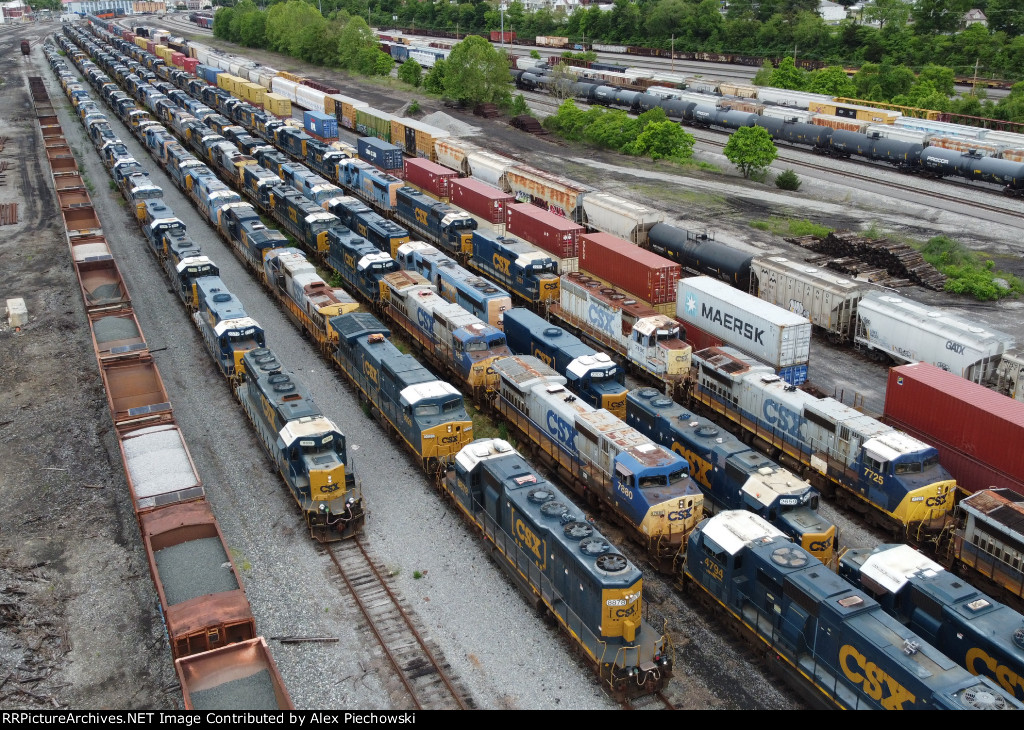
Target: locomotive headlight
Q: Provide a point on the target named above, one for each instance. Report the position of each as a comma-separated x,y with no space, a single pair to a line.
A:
322,508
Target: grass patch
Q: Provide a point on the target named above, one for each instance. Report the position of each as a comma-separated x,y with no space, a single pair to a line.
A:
791,227
678,194
240,560
970,273
485,428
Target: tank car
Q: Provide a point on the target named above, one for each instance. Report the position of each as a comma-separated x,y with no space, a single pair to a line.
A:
429,414
560,561
941,162
227,330
614,465
833,638
886,474
455,339
977,632
454,283
732,475
590,374
897,152
451,227
525,270
700,254
812,135
308,449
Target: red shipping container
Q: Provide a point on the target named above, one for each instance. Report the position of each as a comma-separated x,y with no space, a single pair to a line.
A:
429,177
178,59
551,232
626,266
697,338
482,200
191,64
151,47
956,415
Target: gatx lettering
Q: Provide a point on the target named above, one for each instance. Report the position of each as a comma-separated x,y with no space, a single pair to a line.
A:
955,347
733,324
875,681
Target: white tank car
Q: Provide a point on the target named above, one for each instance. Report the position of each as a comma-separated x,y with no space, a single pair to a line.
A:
910,332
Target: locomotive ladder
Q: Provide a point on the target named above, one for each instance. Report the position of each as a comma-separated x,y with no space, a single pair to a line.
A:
424,674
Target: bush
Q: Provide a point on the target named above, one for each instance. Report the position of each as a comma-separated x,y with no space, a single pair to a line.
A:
787,180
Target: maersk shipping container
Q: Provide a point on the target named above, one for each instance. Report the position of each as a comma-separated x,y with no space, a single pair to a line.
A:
828,300
645,275
773,335
381,154
977,431
910,332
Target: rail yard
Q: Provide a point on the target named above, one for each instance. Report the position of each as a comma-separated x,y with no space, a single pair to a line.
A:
300,637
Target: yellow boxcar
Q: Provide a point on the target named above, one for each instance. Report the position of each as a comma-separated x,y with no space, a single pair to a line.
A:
226,81
291,77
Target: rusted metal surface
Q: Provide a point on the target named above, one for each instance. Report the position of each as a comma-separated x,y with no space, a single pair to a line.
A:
8,214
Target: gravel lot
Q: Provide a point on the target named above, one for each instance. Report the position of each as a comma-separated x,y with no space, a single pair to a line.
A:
88,577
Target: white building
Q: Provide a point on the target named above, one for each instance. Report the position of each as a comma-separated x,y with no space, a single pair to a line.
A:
831,12
14,12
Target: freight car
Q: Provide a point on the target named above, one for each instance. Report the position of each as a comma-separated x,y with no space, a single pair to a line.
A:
889,476
591,375
733,476
978,633
988,545
977,431
898,329
561,562
832,639
615,467
701,255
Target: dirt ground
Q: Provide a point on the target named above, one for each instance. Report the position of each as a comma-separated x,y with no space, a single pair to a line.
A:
74,587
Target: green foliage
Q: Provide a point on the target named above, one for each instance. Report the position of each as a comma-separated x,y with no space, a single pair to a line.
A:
535,54
662,140
787,180
519,106
434,80
477,72
791,227
649,135
968,273
417,574
751,149
578,56
787,75
414,107
411,72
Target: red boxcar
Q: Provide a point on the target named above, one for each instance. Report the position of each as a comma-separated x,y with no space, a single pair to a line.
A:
979,433
178,59
151,47
191,64
697,338
551,232
626,266
429,177
496,37
480,199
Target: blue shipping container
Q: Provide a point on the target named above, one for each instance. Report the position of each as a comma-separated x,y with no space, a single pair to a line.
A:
381,154
210,74
320,124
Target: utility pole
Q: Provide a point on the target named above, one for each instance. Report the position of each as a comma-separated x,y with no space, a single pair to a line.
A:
974,86
673,53
502,26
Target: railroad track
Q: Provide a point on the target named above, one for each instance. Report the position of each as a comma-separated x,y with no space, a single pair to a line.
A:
656,701
423,671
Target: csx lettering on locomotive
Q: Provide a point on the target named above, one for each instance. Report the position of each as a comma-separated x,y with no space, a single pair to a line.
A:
778,415
529,540
876,682
370,371
562,430
425,321
501,264
729,322
978,661
601,318
699,468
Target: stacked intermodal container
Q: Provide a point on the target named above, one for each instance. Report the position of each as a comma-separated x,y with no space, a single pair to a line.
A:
977,431
430,177
381,154
553,233
636,271
482,200
321,124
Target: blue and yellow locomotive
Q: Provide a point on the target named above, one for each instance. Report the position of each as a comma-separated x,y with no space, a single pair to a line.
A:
227,330
831,636
454,283
360,264
603,458
886,474
309,450
436,221
977,632
385,234
732,475
525,270
429,414
590,374
560,561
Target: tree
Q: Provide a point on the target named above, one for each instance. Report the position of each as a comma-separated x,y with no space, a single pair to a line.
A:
888,13
787,180
411,72
832,81
434,80
477,72
662,140
787,75
751,149
355,42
